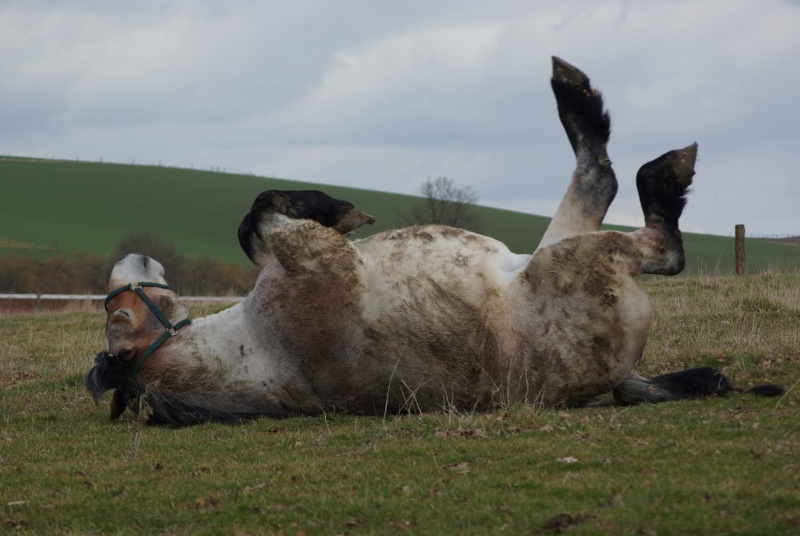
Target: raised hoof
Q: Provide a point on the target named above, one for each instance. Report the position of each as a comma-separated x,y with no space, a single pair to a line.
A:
580,108
567,72
339,215
311,205
682,162
670,172
663,184
352,220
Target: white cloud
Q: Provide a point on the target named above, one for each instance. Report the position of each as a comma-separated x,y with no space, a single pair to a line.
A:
384,95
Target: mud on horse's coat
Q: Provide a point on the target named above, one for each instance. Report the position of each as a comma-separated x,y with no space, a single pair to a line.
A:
415,319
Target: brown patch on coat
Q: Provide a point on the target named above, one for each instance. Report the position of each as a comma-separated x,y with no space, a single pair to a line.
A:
311,300
580,337
454,361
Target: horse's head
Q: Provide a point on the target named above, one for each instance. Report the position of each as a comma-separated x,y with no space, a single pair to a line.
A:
142,313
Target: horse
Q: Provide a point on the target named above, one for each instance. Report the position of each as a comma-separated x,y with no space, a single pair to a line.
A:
417,319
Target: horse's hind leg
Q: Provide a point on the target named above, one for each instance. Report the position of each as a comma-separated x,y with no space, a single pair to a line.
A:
588,127
663,184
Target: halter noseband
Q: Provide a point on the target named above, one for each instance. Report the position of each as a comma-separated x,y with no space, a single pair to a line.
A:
172,329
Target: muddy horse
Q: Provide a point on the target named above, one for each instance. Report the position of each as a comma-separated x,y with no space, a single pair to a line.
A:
416,319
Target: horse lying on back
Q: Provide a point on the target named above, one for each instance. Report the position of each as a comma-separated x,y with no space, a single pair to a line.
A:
415,319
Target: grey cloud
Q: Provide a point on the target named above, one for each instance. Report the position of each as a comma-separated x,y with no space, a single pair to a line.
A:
383,95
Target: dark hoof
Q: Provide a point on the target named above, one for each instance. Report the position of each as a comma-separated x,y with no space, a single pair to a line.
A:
663,184
352,220
682,162
670,173
580,108
311,205
300,205
566,72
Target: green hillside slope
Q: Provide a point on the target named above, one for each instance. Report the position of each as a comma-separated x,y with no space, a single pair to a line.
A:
51,207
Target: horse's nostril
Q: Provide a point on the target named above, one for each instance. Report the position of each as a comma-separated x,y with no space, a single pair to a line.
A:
124,313
125,354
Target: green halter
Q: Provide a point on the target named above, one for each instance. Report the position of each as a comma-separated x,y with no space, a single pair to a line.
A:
172,329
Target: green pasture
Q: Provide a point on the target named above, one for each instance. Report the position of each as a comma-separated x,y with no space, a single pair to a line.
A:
719,466
69,207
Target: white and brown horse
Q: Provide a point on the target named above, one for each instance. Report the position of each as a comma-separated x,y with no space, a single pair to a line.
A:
416,319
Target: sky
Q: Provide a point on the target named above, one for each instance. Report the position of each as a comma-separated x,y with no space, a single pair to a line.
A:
385,94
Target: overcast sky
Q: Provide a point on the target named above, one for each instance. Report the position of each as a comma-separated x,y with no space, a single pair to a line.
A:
383,94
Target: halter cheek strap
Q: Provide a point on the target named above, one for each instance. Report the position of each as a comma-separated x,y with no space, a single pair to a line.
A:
172,329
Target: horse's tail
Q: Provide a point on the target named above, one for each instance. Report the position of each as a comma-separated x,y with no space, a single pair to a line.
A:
686,384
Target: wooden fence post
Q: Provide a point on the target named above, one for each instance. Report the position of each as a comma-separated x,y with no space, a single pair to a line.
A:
740,249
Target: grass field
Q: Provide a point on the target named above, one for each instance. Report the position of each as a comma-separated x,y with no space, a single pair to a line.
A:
69,207
720,466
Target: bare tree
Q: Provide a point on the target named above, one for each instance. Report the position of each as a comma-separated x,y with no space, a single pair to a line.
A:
446,204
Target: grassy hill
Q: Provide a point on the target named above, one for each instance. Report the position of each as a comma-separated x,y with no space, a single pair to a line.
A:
51,207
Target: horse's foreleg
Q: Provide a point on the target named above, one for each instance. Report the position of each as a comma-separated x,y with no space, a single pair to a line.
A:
588,127
691,383
275,211
686,384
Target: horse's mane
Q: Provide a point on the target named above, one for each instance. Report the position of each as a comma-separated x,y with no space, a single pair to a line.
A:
152,406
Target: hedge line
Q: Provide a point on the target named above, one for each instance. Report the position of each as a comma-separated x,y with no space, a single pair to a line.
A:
88,273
